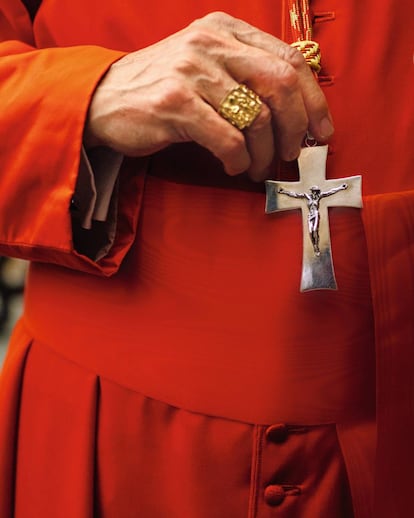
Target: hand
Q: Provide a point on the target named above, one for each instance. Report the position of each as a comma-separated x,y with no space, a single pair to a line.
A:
170,92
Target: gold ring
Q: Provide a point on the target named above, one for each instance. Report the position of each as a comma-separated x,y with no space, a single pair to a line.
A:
240,107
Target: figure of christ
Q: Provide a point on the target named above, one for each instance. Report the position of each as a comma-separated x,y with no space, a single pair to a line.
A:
312,201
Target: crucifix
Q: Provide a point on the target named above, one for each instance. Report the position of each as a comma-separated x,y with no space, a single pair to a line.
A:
313,194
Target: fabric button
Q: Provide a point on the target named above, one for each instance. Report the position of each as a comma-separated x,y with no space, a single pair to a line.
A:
277,433
274,495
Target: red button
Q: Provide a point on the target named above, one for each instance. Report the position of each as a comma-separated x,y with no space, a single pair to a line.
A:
274,495
277,433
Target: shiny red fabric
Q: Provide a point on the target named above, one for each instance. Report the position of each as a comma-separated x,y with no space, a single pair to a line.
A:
149,393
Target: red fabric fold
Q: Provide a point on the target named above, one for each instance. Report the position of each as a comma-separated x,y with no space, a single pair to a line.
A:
389,224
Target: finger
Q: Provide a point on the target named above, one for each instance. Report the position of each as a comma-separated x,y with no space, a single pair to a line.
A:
205,126
278,85
258,137
291,118
260,144
320,119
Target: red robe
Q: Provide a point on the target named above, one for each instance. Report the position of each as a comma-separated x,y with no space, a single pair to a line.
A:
183,374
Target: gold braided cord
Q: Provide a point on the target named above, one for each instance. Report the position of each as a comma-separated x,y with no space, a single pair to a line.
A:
302,33
311,52
300,20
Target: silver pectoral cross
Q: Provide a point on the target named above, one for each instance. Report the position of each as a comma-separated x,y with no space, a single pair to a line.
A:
313,194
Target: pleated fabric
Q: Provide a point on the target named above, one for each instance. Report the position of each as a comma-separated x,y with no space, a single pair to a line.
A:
88,447
90,425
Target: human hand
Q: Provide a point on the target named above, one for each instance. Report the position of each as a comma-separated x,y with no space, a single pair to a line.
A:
170,92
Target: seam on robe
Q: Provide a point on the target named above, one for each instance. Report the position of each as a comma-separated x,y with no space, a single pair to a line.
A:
255,470
95,482
13,469
353,456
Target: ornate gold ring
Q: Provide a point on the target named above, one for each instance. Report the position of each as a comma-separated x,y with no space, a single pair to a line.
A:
240,107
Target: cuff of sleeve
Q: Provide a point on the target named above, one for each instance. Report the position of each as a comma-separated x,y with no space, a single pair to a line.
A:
41,182
95,186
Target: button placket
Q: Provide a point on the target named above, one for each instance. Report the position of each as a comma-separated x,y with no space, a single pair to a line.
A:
275,492
291,476
321,17
325,78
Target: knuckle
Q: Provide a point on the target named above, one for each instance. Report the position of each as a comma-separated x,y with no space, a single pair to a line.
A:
213,21
173,96
197,36
187,64
218,18
287,76
293,56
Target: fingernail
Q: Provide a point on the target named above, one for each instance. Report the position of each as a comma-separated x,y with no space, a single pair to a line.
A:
326,128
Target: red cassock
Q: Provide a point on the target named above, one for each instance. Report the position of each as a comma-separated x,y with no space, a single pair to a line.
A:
184,375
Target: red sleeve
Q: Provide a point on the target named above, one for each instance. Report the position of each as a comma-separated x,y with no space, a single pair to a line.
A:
45,96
